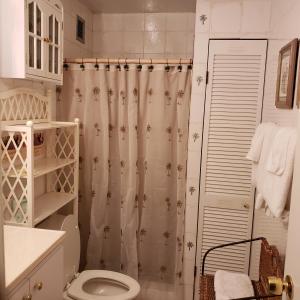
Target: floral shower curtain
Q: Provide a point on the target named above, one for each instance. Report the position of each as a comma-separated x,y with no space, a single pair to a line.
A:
133,153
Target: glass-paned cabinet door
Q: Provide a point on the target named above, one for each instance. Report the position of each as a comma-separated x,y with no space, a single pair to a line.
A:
55,44
36,37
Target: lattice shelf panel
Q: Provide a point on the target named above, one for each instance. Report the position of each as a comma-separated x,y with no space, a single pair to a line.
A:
21,104
21,164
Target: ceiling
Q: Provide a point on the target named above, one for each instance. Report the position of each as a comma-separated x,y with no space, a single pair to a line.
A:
138,6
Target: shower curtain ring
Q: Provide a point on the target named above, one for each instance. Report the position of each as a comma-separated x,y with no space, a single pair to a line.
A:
107,67
139,67
118,66
180,66
167,68
190,67
96,65
82,65
151,66
126,67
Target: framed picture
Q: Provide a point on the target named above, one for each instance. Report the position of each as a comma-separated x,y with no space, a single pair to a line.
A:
286,75
80,30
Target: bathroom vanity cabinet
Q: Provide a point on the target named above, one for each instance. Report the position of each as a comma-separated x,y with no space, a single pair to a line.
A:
31,40
35,270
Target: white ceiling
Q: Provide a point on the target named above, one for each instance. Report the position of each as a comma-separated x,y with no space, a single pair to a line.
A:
137,6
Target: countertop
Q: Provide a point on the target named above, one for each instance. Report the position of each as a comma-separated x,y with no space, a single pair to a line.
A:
24,249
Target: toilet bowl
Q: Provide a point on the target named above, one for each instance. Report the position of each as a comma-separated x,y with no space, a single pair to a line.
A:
102,285
90,284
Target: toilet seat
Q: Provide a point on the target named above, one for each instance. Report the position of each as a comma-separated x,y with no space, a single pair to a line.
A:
76,289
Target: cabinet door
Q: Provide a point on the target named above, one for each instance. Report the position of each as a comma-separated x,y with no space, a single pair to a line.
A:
54,46
232,111
47,282
21,293
36,12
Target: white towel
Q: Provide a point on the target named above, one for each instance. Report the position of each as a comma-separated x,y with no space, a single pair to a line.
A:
230,285
280,165
258,154
278,155
257,143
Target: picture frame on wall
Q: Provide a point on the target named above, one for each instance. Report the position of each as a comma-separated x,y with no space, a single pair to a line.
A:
286,73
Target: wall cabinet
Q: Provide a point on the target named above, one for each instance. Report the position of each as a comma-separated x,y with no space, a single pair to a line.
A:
31,39
45,282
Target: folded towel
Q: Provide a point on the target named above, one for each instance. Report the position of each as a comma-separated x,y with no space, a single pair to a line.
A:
278,155
276,188
257,143
230,285
258,154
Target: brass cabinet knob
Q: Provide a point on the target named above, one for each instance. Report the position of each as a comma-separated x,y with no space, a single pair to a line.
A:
38,286
28,297
277,286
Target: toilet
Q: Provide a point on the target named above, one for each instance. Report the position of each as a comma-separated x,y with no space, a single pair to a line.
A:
90,284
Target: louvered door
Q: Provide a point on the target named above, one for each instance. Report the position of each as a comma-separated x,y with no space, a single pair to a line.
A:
232,111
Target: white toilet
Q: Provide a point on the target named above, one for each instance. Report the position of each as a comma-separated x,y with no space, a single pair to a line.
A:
91,284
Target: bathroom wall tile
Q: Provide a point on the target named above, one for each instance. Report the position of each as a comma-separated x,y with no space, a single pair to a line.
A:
190,43
191,220
193,164
133,42
202,21
254,22
154,42
133,22
189,246
197,108
176,42
195,136
176,22
155,22
201,48
192,190
199,79
226,17
108,22
191,22
188,272
108,42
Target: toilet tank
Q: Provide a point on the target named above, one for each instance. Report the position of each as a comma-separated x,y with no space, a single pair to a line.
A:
71,242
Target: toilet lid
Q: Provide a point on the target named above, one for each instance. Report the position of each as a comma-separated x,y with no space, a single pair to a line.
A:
78,291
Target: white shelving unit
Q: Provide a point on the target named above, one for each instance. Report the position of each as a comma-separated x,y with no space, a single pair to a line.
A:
37,181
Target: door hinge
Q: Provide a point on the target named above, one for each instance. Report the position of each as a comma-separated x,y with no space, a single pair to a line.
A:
195,271
207,77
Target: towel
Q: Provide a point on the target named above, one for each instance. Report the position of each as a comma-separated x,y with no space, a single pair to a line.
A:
256,143
279,167
278,155
258,154
230,285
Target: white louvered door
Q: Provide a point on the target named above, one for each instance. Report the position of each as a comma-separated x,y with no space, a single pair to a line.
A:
232,111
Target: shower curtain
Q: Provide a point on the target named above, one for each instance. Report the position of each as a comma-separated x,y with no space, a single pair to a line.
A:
133,153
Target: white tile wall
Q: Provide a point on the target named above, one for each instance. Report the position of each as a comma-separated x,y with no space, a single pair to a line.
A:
153,35
72,47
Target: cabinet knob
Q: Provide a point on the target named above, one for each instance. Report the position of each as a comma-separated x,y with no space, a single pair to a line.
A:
28,297
38,285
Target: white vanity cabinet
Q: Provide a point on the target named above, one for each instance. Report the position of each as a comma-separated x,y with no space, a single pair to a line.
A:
34,260
45,282
31,39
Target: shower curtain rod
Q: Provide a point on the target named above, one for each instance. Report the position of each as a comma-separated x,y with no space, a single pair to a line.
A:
128,61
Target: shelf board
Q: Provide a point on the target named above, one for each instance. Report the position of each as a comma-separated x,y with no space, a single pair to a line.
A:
39,126
49,203
44,166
